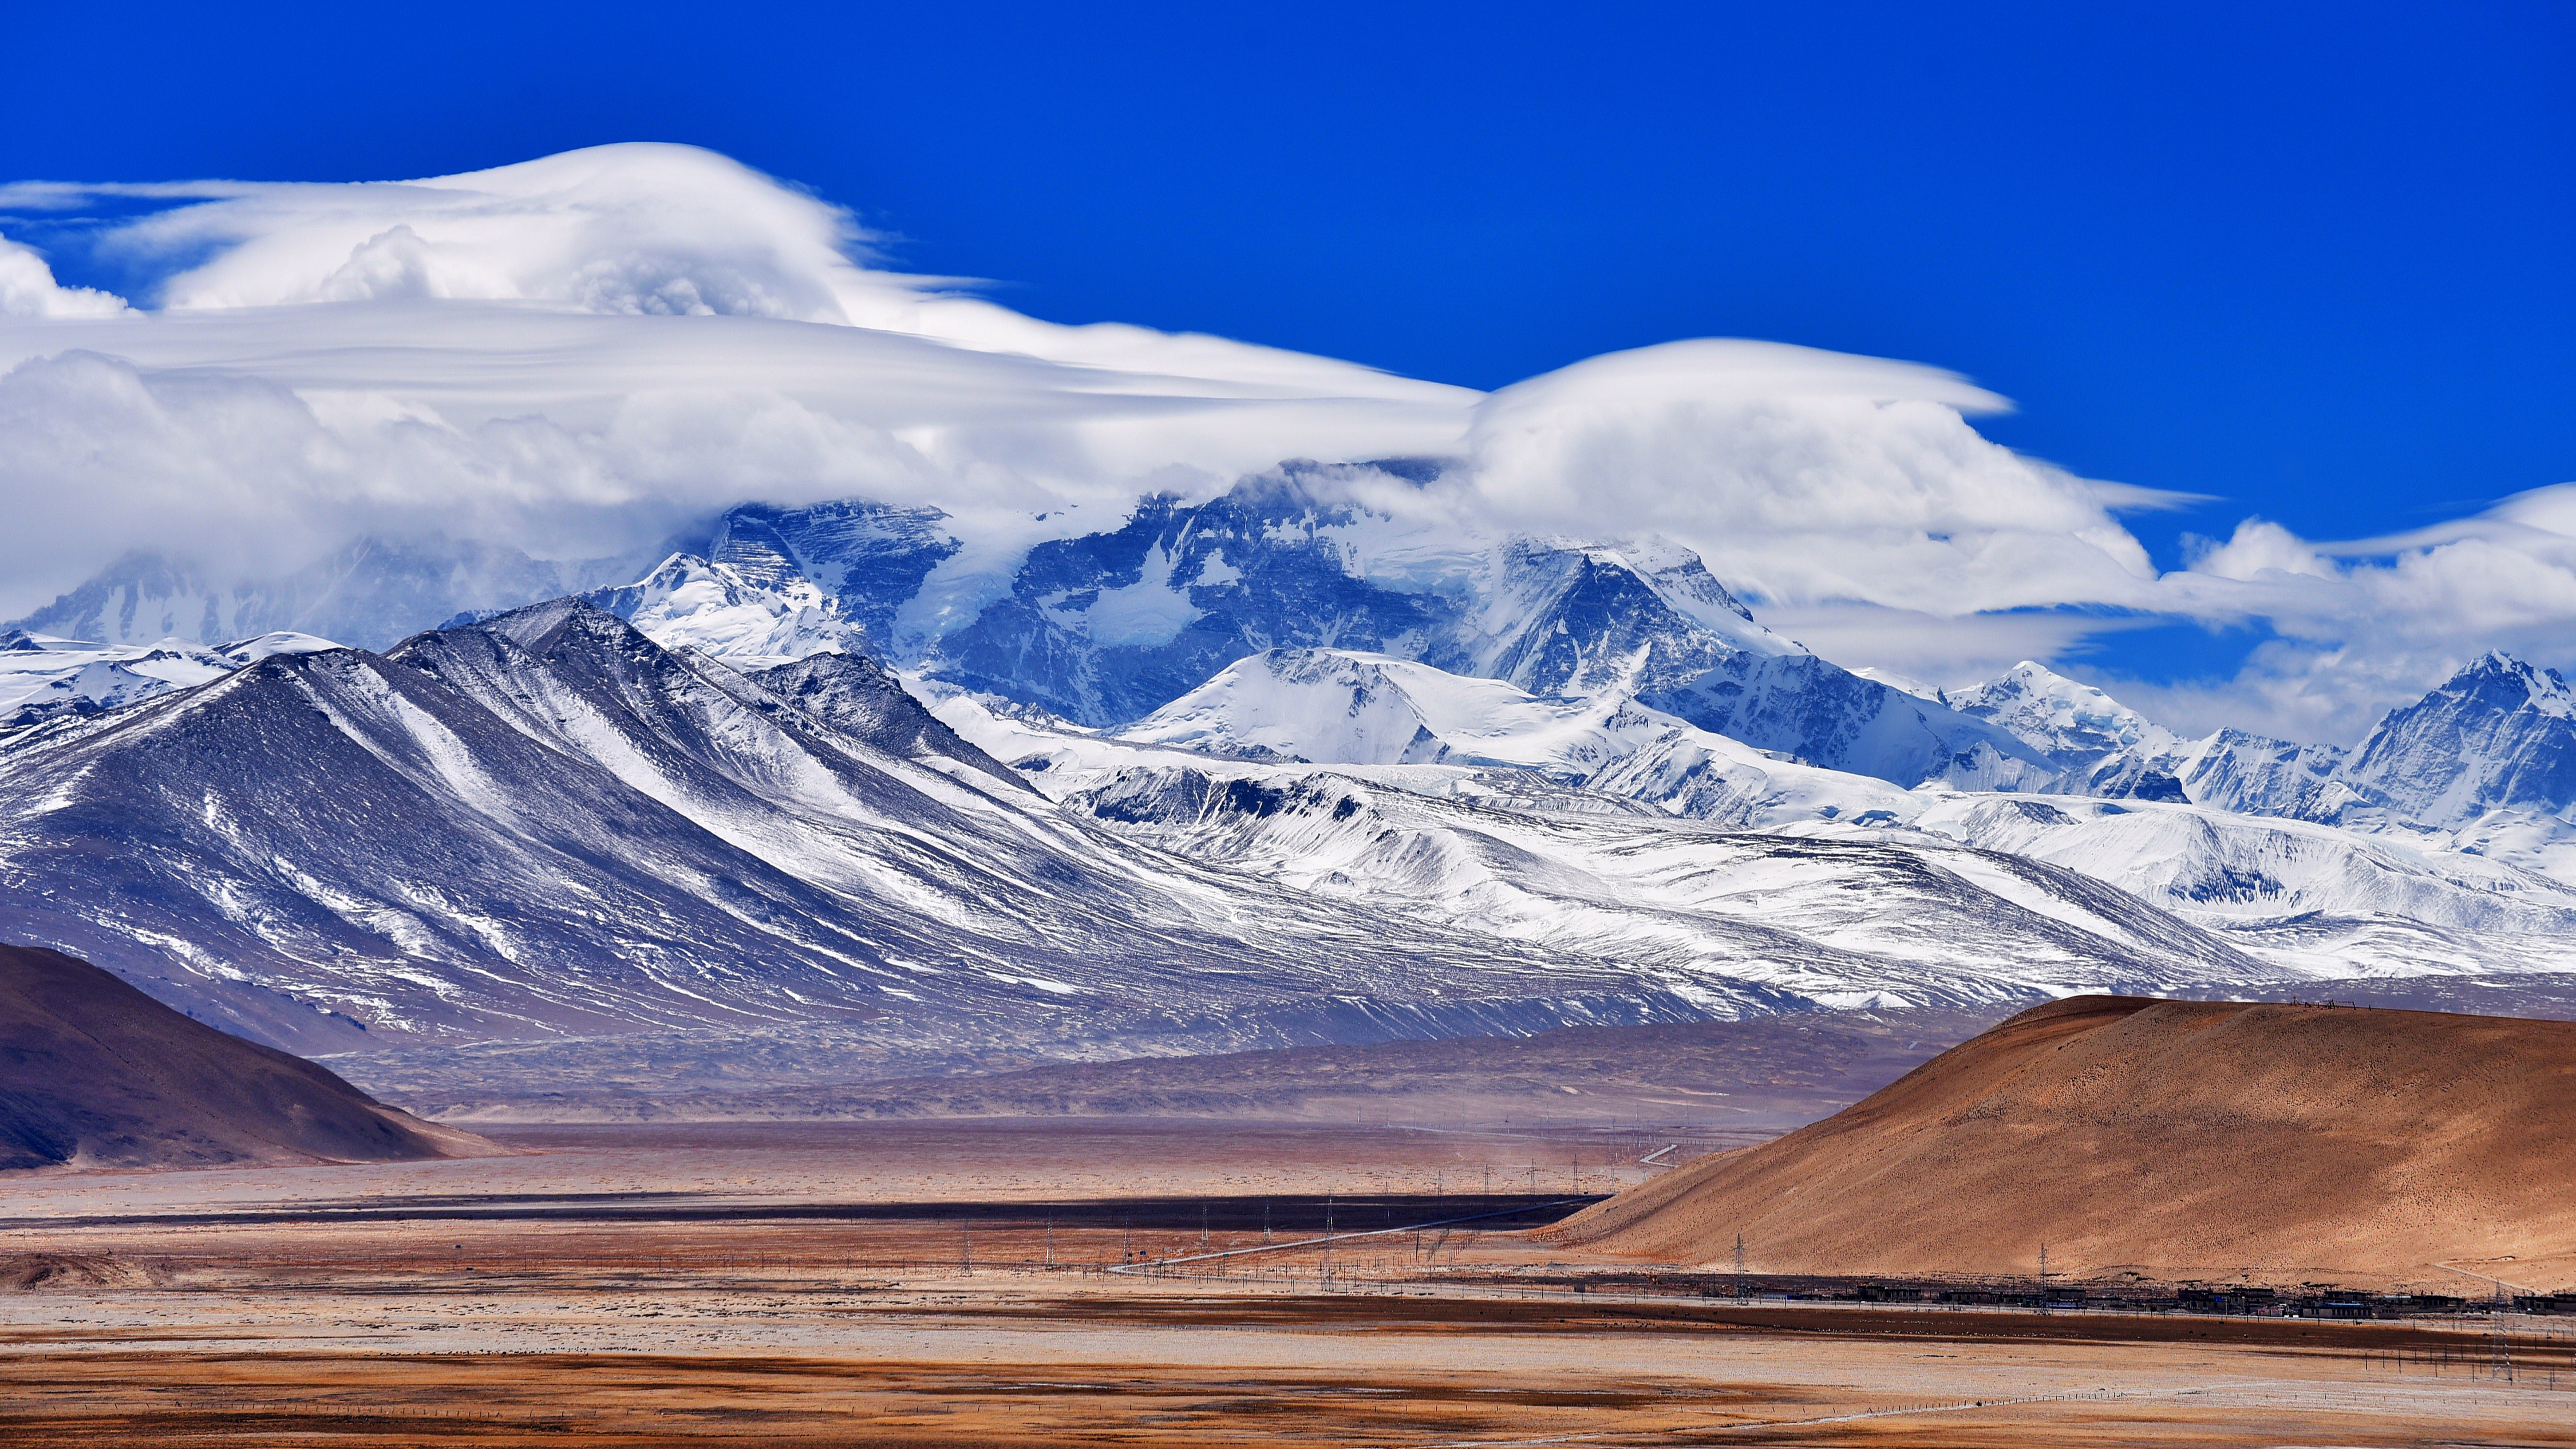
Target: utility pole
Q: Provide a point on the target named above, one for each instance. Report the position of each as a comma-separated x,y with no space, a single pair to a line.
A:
1739,1266
2502,1365
966,1247
1050,1240
1202,1222
2043,1277
1265,1220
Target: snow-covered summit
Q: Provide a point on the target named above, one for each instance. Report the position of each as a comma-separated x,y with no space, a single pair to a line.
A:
1345,707
2500,735
1339,707
42,677
2075,725
713,608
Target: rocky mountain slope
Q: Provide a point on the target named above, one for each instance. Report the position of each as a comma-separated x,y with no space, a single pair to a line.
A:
1107,626
2177,1140
2298,894
93,1073
546,825
2483,765
43,678
1292,765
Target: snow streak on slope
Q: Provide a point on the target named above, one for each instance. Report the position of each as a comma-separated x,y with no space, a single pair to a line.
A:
2302,895
1862,915
689,603
1337,707
2321,899
44,678
2075,725
547,824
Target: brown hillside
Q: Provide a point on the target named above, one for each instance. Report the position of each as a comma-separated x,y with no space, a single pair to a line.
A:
94,1073
2178,1140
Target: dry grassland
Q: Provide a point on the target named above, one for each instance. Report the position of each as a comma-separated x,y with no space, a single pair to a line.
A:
748,1286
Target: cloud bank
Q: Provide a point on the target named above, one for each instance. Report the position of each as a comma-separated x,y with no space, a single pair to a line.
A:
577,354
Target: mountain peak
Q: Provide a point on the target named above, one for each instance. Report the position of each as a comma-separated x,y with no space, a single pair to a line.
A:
2499,734
2074,724
2545,689
753,615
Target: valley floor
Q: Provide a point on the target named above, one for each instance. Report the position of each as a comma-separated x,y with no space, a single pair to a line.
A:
934,1284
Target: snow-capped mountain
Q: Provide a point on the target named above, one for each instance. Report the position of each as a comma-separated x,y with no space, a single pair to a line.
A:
1889,920
2298,894
1329,706
2227,770
2484,763
2075,725
773,617
1107,628
369,594
1287,765
1839,913
876,560
2321,900
2110,751
547,825
1345,707
44,678
2500,735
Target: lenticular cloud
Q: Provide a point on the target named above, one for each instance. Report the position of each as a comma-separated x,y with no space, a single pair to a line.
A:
574,355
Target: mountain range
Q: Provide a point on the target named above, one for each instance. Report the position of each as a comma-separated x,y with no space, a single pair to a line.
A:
841,791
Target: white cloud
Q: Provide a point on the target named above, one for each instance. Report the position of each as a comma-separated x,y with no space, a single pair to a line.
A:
575,354
1809,478
28,289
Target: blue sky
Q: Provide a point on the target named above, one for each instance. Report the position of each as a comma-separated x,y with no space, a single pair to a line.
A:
2310,259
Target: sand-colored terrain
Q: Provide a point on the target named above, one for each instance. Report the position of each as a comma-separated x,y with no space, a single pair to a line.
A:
2177,1140
952,1284
95,1073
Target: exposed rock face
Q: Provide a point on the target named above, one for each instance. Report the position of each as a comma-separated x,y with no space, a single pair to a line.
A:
545,825
749,621
93,1073
855,695
2500,735
2177,1139
1108,628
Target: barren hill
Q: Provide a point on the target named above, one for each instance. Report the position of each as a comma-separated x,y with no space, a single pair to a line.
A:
94,1073
2176,1140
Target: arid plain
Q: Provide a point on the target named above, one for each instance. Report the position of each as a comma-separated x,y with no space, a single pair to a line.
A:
977,1282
